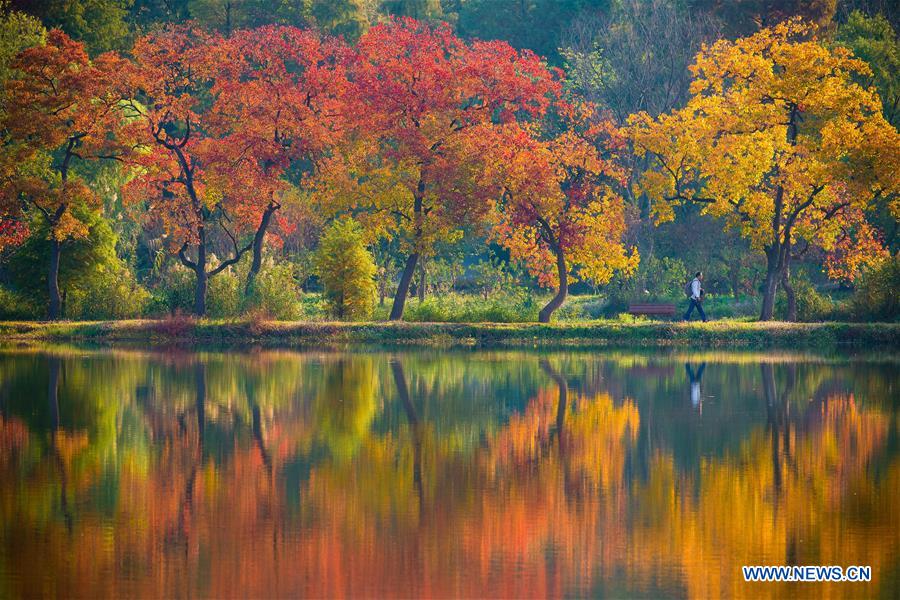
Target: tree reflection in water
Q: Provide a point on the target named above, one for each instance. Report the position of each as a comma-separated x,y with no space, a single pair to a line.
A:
440,474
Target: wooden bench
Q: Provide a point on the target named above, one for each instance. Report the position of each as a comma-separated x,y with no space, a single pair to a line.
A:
654,310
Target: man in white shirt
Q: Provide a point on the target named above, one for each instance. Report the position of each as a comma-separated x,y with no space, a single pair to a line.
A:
696,298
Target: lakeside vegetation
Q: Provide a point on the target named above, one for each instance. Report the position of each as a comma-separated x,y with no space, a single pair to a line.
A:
437,161
630,332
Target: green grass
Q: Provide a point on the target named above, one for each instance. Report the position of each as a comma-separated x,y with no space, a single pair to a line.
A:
622,332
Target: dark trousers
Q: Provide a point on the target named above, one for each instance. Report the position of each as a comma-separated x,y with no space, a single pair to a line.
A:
695,304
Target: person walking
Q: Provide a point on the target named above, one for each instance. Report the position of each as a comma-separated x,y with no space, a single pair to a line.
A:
696,296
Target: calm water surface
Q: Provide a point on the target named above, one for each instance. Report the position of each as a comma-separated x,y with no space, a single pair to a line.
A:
446,474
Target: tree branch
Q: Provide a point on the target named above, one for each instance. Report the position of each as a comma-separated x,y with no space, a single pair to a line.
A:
239,253
184,259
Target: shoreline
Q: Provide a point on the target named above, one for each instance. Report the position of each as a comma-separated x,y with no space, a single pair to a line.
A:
716,334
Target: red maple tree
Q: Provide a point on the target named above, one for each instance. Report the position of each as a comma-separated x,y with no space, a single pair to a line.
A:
281,98
220,121
412,171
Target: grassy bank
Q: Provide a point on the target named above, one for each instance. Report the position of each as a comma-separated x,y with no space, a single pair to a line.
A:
588,333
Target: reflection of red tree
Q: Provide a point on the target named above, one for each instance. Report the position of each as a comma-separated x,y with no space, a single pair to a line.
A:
13,437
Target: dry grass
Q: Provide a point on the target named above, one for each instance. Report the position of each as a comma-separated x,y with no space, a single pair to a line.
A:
724,333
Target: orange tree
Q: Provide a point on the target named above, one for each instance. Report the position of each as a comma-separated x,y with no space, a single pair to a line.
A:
60,107
280,105
218,122
559,209
426,97
179,173
779,141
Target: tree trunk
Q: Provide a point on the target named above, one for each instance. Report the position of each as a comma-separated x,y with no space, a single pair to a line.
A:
736,283
421,287
773,276
778,253
202,275
768,305
53,280
403,287
410,268
562,292
790,294
200,293
258,239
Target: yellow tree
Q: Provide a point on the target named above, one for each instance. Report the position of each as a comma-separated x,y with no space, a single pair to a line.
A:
779,141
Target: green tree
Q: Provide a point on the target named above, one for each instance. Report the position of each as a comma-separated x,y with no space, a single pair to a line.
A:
18,31
230,15
347,271
94,282
536,24
339,17
424,10
876,297
101,24
875,41
147,13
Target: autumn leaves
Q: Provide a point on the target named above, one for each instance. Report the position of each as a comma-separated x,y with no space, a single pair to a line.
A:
416,133
782,142
423,137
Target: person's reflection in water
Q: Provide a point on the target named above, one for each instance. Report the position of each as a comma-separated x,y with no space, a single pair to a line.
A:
694,378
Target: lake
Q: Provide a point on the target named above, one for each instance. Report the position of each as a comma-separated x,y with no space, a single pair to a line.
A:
444,473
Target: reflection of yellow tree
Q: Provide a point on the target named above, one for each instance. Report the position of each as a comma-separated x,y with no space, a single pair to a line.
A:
490,530
743,515
345,405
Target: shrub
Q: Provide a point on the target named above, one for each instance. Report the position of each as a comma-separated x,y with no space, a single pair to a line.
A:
15,306
347,271
275,293
443,274
581,308
108,293
94,282
173,293
457,308
493,276
877,294
657,280
224,296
